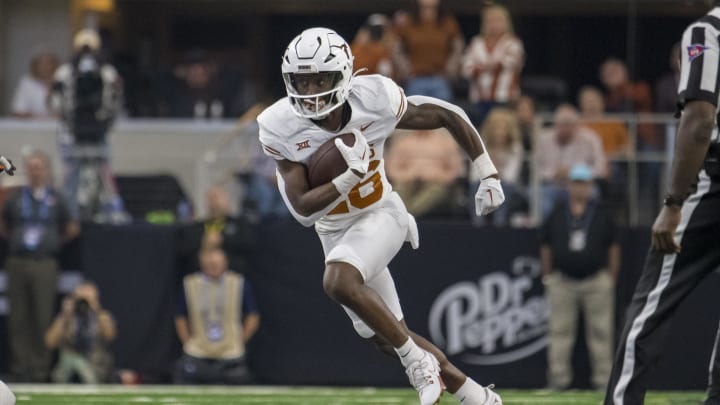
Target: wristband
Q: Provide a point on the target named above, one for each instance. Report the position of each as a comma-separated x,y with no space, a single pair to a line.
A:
483,166
345,182
672,201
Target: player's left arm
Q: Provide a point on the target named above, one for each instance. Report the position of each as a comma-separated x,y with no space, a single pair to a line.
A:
431,113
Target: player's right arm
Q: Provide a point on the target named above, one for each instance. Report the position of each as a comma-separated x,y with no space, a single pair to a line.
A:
697,99
305,203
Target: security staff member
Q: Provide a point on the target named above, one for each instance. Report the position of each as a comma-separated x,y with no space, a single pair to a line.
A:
689,219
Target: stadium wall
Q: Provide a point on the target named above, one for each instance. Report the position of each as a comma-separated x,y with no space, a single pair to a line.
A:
476,292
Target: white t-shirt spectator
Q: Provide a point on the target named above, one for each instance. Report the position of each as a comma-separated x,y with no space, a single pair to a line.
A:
30,98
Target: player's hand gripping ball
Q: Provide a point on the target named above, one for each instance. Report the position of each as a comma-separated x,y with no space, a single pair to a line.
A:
335,156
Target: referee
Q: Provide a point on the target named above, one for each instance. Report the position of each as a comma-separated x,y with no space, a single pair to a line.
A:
686,232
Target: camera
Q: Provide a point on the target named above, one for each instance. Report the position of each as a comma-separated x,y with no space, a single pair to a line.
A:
82,307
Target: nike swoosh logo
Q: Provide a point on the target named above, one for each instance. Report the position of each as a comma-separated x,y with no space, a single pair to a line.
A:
366,126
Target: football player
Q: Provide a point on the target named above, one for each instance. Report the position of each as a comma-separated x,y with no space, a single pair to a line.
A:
6,166
361,223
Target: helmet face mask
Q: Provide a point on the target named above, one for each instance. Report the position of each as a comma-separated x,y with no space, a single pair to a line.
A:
317,70
312,93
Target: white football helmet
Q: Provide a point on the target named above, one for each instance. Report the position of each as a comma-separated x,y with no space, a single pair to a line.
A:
318,50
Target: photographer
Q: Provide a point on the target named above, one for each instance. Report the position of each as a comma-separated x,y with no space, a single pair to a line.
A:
86,94
82,331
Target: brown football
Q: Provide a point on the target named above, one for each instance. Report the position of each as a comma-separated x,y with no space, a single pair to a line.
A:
327,162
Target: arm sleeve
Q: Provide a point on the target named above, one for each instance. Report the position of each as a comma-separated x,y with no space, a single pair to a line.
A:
270,141
544,231
515,55
181,309
468,59
397,102
612,231
699,65
63,213
249,304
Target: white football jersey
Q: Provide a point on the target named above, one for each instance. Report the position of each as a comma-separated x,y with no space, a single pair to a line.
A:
377,104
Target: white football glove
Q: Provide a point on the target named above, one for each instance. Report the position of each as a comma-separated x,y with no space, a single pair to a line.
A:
357,156
7,166
489,196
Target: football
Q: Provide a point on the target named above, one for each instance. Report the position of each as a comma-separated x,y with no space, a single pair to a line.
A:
327,162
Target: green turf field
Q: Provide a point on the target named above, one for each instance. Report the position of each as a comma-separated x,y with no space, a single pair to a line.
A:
162,395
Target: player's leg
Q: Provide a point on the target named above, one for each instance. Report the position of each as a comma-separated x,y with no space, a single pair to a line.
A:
353,259
665,282
345,285
462,387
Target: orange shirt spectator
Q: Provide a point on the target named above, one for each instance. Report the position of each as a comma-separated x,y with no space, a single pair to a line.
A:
628,97
369,49
432,45
613,134
429,45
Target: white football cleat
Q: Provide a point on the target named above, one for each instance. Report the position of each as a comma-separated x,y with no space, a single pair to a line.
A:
424,375
492,398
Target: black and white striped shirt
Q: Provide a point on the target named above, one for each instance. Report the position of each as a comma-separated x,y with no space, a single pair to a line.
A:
700,62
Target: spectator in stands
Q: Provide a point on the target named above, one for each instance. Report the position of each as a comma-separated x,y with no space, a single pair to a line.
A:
425,168
580,260
501,133
219,229
217,315
36,222
196,92
493,62
624,96
667,85
612,133
87,96
31,95
432,44
530,127
615,140
371,49
559,149
82,332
